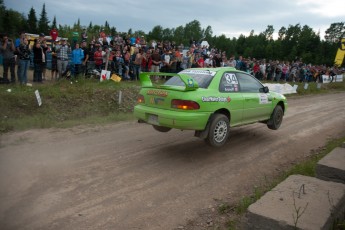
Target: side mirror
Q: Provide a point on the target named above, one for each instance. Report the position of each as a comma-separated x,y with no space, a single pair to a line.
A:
265,89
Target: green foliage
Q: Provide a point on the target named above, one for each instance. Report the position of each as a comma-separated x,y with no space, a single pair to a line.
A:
32,21
335,31
65,104
43,23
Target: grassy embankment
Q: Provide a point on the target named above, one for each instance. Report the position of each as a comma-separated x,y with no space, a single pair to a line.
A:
83,102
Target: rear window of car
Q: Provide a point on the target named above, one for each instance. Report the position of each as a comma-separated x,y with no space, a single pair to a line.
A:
202,77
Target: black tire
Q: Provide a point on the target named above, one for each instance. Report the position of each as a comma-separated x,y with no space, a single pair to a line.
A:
276,118
219,130
161,128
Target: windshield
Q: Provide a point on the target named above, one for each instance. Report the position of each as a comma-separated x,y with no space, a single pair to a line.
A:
202,77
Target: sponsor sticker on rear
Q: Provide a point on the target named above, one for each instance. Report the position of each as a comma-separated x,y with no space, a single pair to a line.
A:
160,93
202,72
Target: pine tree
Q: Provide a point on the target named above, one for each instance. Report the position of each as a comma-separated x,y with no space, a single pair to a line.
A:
53,23
43,23
32,21
2,15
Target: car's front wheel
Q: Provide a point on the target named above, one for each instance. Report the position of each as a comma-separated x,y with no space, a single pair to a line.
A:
161,128
218,131
276,118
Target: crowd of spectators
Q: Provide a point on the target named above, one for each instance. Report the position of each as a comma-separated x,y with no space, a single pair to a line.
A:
127,56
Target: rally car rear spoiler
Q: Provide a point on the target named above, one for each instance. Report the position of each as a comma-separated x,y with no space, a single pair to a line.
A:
146,82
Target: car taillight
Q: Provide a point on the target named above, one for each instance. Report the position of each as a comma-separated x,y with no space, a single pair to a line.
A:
184,104
140,99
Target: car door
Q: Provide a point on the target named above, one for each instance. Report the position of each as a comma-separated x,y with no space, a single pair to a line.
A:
229,88
257,104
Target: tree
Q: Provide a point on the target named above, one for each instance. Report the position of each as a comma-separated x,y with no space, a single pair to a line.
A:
334,32
193,30
156,33
178,36
32,21
43,23
53,23
281,33
268,33
113,31
167,34
2,14
208,33
308,43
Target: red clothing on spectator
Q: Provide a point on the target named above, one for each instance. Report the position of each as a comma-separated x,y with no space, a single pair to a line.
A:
201,63
146,63
54,34
98,57
256,68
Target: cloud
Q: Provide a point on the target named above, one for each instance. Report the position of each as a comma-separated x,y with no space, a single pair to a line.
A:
230,18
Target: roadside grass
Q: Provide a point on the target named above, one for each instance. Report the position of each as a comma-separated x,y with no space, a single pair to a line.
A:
306,168
66,103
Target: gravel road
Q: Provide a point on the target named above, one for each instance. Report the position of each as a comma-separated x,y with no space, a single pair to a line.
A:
128,176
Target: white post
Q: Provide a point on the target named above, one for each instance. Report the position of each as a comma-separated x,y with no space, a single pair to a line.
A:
120,97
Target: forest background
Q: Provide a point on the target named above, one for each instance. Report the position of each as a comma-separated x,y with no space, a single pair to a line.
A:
294,42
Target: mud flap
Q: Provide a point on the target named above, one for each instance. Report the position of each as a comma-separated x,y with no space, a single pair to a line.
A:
203,133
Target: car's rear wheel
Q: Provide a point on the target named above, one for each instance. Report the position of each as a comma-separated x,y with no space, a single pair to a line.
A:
276,118
218,131
161,128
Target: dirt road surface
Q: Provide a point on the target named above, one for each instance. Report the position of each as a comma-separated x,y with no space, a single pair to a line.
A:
128,176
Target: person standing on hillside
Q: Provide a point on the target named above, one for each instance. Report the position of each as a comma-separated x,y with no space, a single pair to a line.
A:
98,57
7,49
45,48
138,58
38,60
24,61
86,56
62,52
77,57
54,71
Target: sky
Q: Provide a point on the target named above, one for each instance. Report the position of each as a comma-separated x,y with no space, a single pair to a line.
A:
228,17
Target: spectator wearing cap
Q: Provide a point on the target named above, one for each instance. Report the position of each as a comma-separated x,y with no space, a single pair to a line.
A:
166,61
143,43
62,51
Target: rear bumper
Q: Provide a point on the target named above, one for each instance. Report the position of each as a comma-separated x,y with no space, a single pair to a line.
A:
187,120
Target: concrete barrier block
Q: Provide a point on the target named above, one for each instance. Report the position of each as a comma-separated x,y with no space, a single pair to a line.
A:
332,166
299,202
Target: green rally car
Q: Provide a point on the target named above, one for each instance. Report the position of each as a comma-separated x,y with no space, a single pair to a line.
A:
209,101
